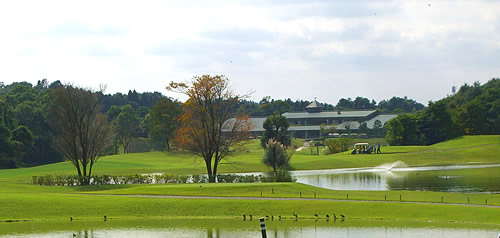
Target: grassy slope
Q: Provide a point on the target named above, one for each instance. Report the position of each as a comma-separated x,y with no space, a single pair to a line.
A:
34,202
250,160
62,206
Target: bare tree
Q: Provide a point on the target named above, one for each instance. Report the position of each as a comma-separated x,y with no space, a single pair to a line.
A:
83,133
211,127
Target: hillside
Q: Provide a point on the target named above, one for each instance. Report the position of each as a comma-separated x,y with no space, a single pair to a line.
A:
481,149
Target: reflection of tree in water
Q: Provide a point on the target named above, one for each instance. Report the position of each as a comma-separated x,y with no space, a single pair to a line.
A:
421,181
368,181
210,232
435,180
84,234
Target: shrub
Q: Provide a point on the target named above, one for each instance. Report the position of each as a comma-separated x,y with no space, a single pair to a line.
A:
74,180
336,145
279,176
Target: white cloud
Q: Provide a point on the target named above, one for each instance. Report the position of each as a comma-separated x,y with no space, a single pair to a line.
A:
324,49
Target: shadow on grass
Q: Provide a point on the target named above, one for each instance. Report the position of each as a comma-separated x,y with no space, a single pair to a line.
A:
90,188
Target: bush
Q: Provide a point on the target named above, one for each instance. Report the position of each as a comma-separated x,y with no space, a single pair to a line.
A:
336,145
279,176
74,180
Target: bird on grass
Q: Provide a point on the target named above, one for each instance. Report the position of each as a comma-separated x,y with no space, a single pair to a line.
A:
244,217
272,218
316,215
327,216
296,216
70,218
250,217
334,216
279,217
105,218
342,216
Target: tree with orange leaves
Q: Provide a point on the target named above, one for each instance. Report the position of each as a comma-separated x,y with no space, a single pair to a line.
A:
211,127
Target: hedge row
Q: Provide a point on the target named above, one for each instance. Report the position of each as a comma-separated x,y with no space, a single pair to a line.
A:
75,180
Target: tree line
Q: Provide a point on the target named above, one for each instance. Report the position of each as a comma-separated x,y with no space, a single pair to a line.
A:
49,122
140,121
268,106
29,127
473,110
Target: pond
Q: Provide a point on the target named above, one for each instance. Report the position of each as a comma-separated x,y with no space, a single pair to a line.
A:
239,228
398,176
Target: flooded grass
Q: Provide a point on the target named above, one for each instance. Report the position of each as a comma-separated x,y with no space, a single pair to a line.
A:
240,228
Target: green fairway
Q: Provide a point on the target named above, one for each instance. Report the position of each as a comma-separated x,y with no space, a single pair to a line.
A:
21,201
27,206
483,149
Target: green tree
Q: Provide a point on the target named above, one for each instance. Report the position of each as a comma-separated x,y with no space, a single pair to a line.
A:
113,112
394,134
436,123
345,104
28,107
163,121
126,125
277,156
362,103
400,105
23,135
276,126
336,145
410,134
7,149
270,106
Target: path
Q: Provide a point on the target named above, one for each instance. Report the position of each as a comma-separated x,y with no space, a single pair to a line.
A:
284,199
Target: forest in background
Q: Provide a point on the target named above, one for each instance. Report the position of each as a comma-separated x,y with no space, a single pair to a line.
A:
473,110
142,121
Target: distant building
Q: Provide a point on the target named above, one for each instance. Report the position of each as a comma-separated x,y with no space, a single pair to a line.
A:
307,124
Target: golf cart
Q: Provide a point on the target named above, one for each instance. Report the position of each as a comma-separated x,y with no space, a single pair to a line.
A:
363,148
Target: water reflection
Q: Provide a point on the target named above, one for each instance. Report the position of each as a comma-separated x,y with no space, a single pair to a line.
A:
429,178
236,228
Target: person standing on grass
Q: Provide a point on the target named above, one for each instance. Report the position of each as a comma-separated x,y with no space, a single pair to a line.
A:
378,148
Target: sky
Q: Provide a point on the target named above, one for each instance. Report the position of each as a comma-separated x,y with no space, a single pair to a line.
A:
322,49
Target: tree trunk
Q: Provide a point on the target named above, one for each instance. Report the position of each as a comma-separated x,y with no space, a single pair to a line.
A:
77,165
214,172
125,146
90,170
209,171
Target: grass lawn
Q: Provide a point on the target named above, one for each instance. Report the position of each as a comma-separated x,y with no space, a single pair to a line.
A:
459,151
27,206
20,200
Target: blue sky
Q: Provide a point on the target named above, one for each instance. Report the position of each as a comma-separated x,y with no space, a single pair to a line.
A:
283,49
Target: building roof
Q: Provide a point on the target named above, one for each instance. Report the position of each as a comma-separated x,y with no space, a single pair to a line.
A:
258,123
382,118
304,128
329,114
314,107
355,125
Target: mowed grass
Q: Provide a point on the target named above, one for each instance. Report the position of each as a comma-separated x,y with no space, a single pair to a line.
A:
20,200
31,206
481,149
295,190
